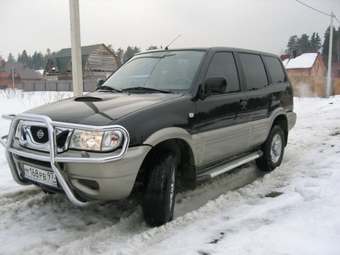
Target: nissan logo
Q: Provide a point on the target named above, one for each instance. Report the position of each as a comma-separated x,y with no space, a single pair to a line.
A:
40,134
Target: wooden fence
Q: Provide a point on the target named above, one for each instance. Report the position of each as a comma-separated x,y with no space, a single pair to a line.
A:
88,86
304,86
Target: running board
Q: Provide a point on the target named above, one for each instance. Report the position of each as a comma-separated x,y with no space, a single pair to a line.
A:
213,172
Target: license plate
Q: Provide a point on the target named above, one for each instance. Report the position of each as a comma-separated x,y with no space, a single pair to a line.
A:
39,175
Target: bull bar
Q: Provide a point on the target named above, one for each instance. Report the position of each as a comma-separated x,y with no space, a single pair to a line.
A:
54,158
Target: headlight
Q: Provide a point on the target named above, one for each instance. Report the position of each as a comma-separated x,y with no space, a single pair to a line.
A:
95,141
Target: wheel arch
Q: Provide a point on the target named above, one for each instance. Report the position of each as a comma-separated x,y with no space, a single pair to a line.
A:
178,140
281,120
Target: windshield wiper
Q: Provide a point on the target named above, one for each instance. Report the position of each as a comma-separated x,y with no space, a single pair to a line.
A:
146,89
108,88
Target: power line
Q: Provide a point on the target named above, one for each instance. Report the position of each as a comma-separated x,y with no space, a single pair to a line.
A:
324,13
336,19
313,8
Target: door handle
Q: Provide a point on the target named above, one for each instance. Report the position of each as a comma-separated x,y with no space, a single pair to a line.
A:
243,104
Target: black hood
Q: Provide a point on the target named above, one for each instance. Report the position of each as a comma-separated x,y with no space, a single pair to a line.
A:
98,108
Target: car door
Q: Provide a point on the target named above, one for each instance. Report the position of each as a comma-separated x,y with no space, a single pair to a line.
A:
260,96
222,118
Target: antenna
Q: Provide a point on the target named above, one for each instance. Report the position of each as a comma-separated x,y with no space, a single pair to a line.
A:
166,48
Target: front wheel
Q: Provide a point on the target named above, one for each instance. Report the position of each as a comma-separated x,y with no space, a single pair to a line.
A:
159,197
273,149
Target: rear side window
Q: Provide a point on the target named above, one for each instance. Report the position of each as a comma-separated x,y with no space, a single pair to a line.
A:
275,69
223,65
254,71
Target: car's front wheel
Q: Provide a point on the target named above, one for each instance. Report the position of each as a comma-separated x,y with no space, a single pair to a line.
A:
160,192
272,149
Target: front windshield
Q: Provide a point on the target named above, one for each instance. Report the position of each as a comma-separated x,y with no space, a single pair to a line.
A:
173,70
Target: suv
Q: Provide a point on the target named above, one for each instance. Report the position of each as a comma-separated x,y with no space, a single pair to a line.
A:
165,120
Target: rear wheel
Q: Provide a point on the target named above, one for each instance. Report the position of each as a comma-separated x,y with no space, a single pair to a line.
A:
272,149
159,197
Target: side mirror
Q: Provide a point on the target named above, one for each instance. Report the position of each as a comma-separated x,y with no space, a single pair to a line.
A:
214,85
100,82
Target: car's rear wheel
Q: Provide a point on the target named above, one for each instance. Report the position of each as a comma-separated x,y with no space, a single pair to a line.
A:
160,192
272,149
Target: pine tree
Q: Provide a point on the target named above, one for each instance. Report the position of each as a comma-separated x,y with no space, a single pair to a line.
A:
335,48
37,61
292,45
336,45
24,57
315,42
130,52
10,58
304,45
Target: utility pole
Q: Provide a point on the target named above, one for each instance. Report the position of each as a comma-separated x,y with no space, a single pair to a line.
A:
13,78
328,86
77,72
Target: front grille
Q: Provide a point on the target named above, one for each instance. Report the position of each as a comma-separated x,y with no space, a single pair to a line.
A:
37,137
39,134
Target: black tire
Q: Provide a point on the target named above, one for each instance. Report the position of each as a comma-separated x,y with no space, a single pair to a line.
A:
159,196
273,150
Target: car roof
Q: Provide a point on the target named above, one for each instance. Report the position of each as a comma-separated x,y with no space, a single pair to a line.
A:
212,49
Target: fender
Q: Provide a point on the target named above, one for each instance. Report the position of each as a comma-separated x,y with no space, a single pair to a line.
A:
176,133
259,130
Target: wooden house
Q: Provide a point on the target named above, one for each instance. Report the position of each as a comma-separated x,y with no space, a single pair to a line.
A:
13,74
97,62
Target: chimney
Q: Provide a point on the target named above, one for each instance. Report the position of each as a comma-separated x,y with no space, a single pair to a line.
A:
24,64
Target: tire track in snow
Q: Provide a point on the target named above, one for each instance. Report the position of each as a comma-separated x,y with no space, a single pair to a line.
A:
131,234
55,219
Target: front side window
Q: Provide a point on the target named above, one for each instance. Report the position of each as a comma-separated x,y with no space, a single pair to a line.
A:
254,71
173,70
223,65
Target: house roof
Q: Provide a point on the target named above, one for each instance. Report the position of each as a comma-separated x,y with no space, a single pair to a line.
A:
23,71
305,60
85,51
62,58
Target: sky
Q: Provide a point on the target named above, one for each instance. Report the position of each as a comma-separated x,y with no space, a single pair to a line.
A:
266,25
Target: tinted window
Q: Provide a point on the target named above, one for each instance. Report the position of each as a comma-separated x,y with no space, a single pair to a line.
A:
223,65
254,71
275,69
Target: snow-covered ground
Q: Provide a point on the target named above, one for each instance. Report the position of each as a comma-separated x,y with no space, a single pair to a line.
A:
292,210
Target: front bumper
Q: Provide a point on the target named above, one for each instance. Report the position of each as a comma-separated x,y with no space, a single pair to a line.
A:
96,176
